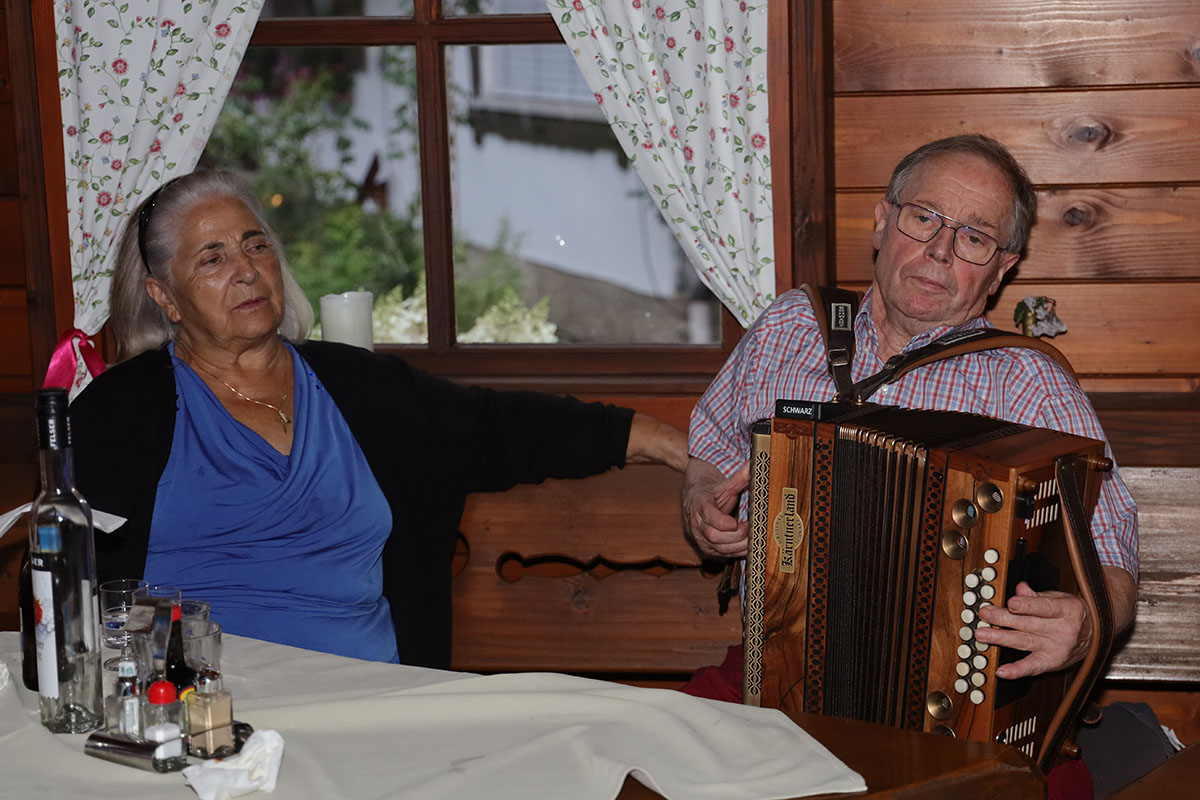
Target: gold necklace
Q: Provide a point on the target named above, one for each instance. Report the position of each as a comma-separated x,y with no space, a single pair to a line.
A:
284,418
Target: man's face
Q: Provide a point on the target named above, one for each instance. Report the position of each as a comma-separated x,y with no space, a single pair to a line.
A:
924,285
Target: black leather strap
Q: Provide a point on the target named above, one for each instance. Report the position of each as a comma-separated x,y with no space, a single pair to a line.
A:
836,309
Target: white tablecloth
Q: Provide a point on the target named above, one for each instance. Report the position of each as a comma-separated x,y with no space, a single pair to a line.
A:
356,729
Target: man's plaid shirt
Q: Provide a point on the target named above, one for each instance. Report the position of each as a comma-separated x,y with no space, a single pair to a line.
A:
782,356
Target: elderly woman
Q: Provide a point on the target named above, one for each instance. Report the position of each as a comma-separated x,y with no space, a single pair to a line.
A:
311,491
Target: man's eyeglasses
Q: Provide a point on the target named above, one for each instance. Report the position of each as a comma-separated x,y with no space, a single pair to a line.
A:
922,224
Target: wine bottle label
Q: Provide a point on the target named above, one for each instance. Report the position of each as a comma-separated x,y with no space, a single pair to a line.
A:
43,620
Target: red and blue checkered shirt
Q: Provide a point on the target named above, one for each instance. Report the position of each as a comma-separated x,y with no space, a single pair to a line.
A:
782,356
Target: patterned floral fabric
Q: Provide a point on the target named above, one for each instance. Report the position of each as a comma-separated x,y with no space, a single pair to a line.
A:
141,83
684,85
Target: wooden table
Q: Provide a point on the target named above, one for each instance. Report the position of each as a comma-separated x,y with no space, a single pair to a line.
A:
909,764
1179,776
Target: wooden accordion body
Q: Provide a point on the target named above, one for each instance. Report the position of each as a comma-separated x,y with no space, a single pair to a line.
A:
876,533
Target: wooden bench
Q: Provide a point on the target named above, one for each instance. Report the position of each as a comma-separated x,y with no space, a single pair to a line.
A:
594,576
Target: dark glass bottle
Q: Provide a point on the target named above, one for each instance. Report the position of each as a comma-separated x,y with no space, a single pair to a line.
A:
63,578
178,671
28,636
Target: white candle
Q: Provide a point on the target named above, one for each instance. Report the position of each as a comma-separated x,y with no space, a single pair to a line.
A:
346,317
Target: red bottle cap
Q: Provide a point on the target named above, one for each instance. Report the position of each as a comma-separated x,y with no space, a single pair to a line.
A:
161,692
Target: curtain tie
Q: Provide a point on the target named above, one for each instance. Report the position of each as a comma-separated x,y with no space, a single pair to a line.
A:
61,372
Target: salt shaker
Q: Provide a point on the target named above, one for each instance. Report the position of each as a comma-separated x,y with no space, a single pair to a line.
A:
162,721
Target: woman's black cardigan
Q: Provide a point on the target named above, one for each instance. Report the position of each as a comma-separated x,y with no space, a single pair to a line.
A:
428,442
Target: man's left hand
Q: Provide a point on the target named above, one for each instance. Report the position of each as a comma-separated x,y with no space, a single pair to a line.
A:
1053,627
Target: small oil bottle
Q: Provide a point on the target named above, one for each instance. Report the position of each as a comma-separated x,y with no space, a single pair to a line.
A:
210,717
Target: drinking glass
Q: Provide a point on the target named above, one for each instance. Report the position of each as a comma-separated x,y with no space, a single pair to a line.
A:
157,591
116,598
193,611
202,648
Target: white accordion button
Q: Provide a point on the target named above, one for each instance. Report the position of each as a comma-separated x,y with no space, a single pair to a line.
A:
989,573
977,679
966,633
987,592
971,581
964,651
968,616
991,555
962,668
976,696
961,686
979,662
970,598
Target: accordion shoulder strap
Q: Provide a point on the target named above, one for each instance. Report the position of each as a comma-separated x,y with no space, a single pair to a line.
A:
955,344
835,310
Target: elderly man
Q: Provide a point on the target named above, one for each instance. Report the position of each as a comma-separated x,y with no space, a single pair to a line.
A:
955,218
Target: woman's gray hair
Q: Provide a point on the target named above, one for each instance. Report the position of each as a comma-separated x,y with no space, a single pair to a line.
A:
137,322
1024,210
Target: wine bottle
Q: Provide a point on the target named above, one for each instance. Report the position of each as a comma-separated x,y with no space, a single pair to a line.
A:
28,637
177,669
63,577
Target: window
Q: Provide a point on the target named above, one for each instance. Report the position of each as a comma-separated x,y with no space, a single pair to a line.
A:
455,164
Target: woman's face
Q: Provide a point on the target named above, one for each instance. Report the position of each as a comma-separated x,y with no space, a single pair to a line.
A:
227,287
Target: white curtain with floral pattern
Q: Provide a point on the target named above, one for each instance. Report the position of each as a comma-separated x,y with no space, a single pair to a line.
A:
141,84
684,85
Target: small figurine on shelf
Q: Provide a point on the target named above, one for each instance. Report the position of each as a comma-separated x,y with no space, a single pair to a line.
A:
1035,317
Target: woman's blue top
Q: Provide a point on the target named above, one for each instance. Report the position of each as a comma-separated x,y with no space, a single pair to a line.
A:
285,548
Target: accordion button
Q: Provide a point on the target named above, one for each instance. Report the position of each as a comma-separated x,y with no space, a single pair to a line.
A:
976,696
964,651
962,668
987,592
966,633
972,580
988,573
968,616
978,679
969,599
991,555
979,662
982,624
982,646
961,686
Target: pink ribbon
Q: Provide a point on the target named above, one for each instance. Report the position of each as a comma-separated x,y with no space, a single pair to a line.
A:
61,372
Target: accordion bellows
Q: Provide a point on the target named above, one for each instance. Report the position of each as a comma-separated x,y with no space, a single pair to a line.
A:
877,534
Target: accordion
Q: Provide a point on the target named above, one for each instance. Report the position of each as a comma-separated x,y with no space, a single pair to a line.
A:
877,534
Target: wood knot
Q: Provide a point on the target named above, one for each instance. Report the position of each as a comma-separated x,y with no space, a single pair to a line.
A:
1089,133
1077,215
580,599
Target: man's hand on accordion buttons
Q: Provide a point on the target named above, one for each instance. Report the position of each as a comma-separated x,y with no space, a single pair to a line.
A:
709,499
1052,626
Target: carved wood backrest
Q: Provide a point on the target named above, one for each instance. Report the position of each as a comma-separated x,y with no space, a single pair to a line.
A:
625,593
586,576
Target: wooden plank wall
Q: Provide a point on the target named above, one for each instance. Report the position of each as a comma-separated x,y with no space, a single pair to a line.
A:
1100,101
16,361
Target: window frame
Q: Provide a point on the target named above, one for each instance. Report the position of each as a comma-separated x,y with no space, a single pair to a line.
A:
580,368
